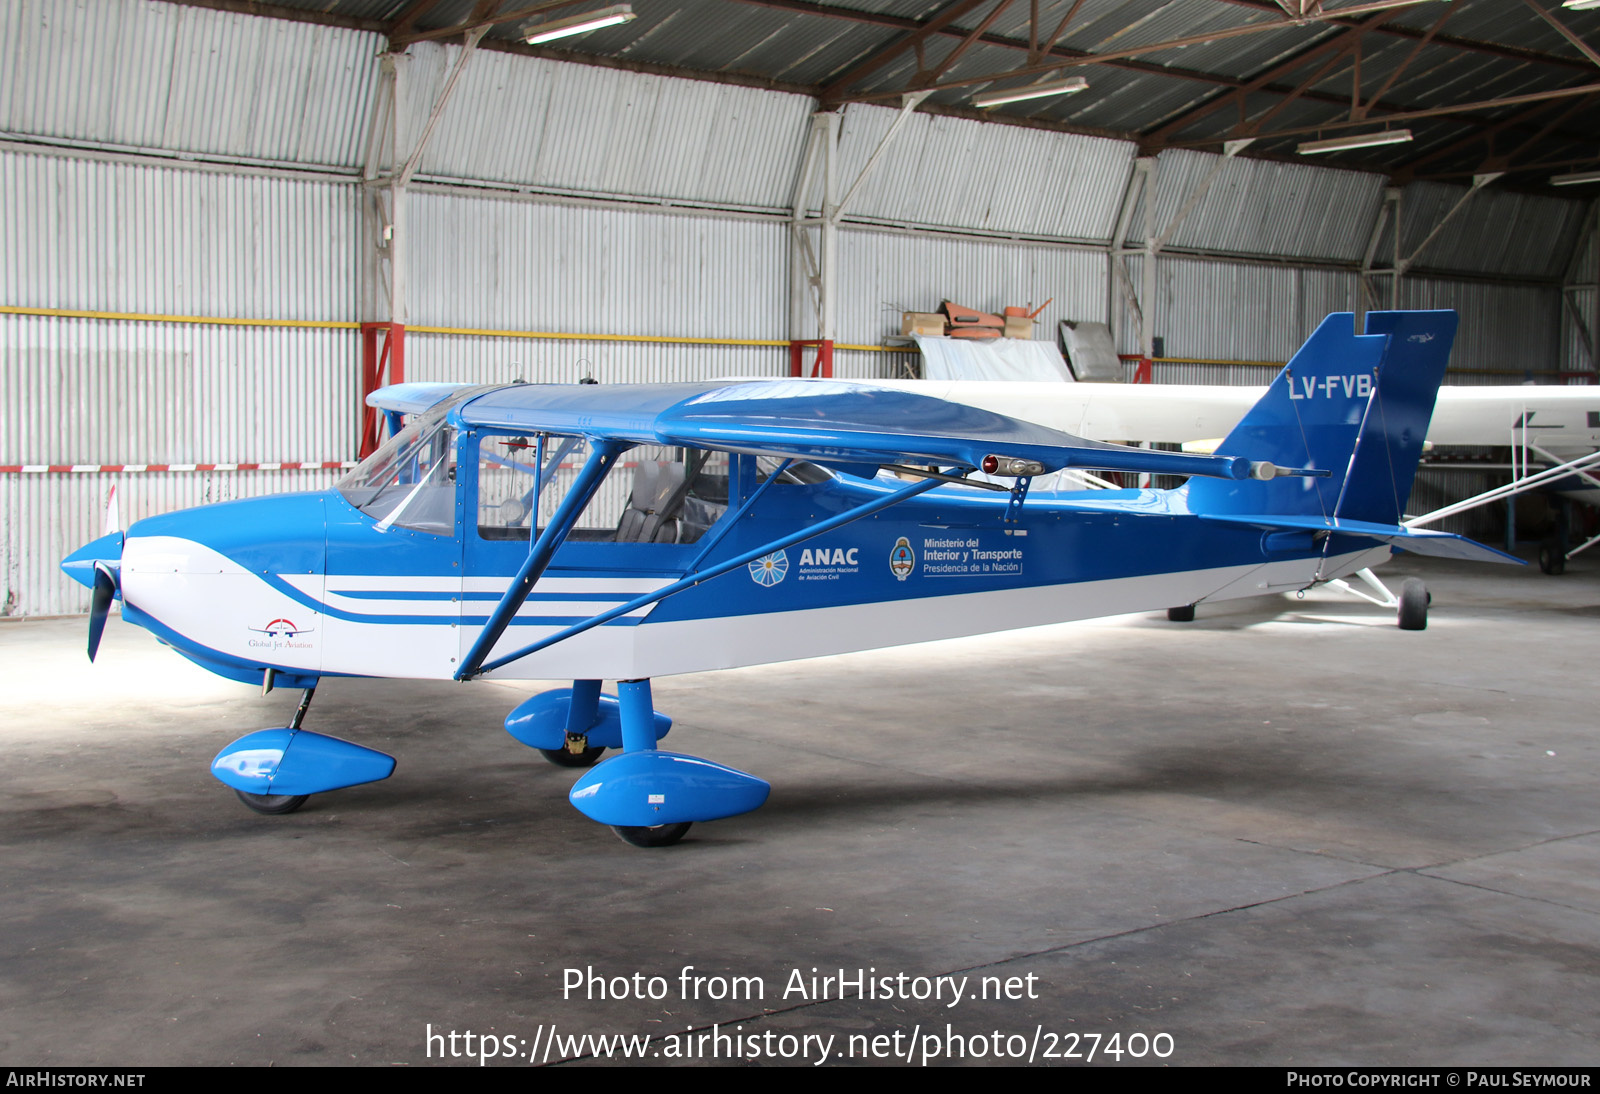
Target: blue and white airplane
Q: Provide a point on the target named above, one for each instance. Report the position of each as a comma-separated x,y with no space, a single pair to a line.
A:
620,533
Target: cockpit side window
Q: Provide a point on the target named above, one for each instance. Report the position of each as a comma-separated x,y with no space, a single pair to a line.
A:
652,495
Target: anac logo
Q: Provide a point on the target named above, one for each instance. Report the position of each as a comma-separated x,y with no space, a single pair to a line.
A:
770,569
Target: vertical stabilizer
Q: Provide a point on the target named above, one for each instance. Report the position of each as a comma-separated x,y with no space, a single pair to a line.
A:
1354,405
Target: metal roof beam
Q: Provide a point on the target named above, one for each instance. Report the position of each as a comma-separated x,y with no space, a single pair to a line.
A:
1406,171
1438,25
1334,46
407,19
966,43
1493,49
1408,115
1550,127
920,31
1583,47
1037,50
483,17
1151,47
899,22
1510,161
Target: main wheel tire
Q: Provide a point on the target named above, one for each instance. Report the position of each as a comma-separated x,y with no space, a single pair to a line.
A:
274,805
1552,559
1184,614
562,758
662,835
1414,601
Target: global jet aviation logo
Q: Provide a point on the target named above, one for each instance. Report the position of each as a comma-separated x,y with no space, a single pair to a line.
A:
281,634
279,628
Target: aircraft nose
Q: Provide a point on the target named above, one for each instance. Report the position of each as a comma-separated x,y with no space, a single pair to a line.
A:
99,566
80,564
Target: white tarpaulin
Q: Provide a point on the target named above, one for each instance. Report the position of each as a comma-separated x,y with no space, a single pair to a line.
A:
994,359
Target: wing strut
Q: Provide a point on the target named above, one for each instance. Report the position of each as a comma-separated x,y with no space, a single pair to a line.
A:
589,479
470,668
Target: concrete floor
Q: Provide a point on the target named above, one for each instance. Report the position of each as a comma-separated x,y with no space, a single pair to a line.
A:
1288,833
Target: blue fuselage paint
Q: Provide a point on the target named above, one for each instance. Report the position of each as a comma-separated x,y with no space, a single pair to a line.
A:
331,564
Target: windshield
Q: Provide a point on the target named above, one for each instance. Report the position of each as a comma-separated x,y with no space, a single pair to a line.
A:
410,481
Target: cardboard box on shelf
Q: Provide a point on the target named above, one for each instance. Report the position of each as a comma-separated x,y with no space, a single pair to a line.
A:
921,322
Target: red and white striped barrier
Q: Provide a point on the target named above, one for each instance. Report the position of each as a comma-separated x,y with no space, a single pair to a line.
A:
118,468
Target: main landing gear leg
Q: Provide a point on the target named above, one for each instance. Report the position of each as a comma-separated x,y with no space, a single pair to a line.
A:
639,735
583,711
650,796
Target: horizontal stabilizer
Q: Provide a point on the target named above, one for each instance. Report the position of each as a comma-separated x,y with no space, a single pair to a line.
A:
1420,541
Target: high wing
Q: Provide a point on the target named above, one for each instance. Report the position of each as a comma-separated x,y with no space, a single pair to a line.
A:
827,421
412,398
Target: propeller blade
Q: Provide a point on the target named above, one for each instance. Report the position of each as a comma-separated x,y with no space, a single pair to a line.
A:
105,588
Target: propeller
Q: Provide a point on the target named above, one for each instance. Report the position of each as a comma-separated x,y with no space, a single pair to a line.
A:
105,589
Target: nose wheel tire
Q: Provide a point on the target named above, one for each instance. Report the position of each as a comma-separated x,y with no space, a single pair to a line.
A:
275,805
662,835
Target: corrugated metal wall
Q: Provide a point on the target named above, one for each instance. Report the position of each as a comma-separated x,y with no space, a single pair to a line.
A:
1259,207
519,265
497,264
271,231
1253,312
1584,299
49,516
107,236
1495,231
85,234
150,75
1238,311
1505,329
957,173
581,129
886,273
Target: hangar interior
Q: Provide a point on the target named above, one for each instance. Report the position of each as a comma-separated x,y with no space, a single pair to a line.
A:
225,221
